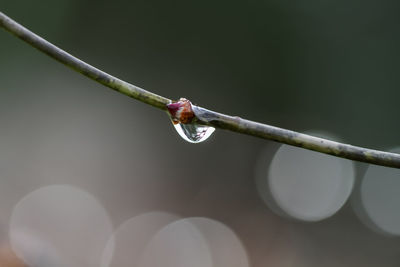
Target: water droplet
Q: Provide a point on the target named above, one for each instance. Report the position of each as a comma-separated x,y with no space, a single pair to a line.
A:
194,133
183,118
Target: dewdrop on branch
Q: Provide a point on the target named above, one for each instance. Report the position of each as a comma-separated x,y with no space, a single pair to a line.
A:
184,121
187,118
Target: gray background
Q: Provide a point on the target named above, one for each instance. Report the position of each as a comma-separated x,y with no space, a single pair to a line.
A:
323,65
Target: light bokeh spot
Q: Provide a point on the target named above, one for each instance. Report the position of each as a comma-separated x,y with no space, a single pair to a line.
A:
225,246
195,242
127,244
380,197
59,225
179,244
304,184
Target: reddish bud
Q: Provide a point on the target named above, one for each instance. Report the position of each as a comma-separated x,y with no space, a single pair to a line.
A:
181,111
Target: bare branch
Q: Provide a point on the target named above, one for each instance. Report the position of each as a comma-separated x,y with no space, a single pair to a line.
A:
80,66
204,116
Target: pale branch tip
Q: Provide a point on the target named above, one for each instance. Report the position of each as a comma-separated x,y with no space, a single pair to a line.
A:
204,116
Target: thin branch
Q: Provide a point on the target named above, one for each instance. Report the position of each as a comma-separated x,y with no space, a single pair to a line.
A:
80,66
237,124
204,116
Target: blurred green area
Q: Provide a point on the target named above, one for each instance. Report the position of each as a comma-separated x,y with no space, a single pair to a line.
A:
327,65
303,65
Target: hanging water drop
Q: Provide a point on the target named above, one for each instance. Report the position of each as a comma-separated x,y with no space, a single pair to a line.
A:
194,133
183,118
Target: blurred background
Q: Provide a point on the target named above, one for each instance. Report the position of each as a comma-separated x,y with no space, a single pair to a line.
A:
90,177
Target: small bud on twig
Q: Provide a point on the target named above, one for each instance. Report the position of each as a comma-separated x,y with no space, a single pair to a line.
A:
181,111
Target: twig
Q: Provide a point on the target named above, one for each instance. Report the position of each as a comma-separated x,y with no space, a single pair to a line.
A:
80,66
204,116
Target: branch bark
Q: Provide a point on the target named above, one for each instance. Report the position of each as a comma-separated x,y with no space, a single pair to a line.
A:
204,116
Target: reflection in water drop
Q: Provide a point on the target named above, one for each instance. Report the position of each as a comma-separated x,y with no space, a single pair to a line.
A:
194,133
59,225
307,185
380,198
